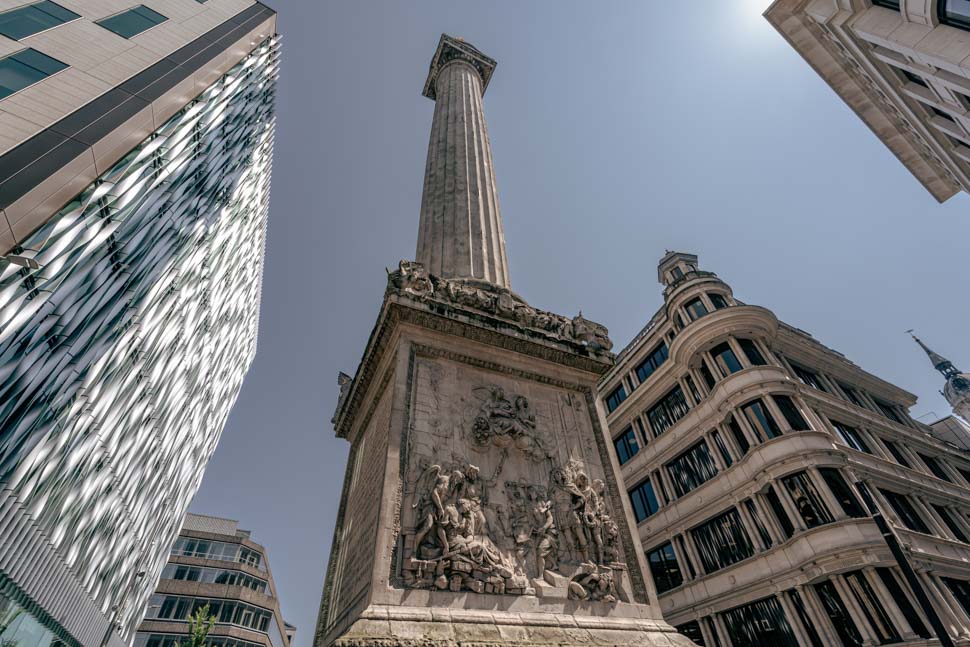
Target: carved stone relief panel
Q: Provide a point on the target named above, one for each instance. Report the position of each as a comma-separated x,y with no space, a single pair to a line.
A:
503,489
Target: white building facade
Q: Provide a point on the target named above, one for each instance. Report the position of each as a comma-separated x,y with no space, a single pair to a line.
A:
135,156
742,440
903,66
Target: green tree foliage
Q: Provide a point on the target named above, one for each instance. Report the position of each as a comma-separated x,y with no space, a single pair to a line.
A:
200,623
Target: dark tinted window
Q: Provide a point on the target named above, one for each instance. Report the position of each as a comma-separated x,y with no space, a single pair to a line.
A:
24,21
897,453
759,624
807,377
905,511
889,411
707,375
132,22
758,524
718,301
850,436
779,511
671,408
760,420
24,68
955,13
791,413
616,396
807,624
838,614
851,395
846,497
664,568
725,359
934,465
644,501
807,500
951,523
626,445
722,448
902,601
722,541
739,438
692,630
695,309
751,352
872,609
652,362
692,468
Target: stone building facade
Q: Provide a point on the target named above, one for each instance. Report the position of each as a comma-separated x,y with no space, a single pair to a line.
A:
213,562
903,66
742,440
136,145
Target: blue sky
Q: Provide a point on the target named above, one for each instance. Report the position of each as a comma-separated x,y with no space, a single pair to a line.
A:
619,130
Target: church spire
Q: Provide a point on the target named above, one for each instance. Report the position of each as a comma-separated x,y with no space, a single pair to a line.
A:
940,363
461,233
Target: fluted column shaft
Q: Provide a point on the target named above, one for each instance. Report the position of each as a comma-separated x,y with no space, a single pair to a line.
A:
461,234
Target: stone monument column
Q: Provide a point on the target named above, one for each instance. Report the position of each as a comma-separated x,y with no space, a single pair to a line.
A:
481,504
460,234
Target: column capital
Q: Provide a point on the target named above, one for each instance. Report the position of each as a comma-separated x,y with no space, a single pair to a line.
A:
456,49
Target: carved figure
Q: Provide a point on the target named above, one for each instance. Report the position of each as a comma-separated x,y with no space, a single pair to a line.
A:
411,278
591,334
546,539
431,507
593,584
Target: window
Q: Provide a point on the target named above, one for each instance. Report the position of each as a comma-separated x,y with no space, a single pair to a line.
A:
652,362
707,375
692,468
902,601
838,614
760,420
807,500
912,78
722,448
779,511
692,388
872,609
964,473
664,568
615,398
722,541
34,18
25,68
851,395
791,413
897,453
960,590
807,624
725,359
850,436
841,490
759,623
758,525
671,408
695,309
677,273
955,13
692,630
626,445
718,300
905,511
739,438
888,410
132,22
934,465
808,378
951,523
751,351
644,501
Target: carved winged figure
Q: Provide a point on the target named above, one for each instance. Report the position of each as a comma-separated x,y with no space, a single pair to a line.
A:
434,488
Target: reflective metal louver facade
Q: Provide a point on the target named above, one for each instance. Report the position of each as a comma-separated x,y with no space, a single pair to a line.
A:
123,346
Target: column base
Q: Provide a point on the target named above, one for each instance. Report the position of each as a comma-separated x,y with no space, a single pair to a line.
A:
421,627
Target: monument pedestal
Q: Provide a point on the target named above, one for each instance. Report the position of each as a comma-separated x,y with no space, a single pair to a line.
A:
481,504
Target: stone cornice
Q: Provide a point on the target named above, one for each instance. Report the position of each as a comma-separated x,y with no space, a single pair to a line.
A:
455,49
402,306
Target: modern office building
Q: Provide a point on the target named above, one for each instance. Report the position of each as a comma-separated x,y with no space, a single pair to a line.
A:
135,153
215,563
742,440
903,66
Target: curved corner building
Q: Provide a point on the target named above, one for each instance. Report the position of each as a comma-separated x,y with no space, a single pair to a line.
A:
742,440
135,154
